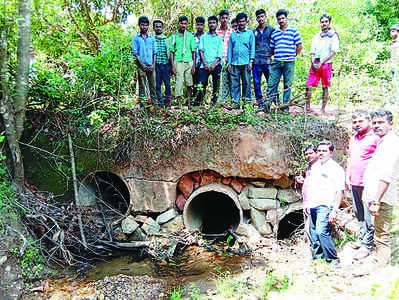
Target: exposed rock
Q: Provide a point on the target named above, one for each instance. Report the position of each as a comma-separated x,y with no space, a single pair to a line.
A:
119,235
150,226
264,204
196,177
262,193
352,226
174,225
186,185
207,178
274,216
288,196
138,235
283,182
244,201
166,216
3,259
260,184
180,201
236,185
248,234
196,185
258,220
141,218
129,225
226,180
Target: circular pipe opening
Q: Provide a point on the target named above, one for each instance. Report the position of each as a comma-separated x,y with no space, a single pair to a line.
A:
107,187
290,224
213,209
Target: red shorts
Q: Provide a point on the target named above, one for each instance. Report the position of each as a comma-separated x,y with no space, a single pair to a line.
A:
324,73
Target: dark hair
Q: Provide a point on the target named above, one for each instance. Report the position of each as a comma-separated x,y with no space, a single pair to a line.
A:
361,113
309,147
281,12
200,20
224,12
326,16
213,18
144,20
326,143
260,12
157,21
242,15
382,113
234,21
183,18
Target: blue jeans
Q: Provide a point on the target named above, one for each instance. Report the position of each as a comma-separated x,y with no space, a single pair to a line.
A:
203,80
362,213
162,75
258,70
278,69
240,73
322,243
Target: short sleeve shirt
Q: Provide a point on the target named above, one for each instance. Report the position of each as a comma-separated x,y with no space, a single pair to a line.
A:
183,46
323,46
284,43
144,48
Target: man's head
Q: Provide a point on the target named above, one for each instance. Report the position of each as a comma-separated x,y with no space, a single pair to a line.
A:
310,153
157,26
381,122
234,24
325,151
183,23
200,24
144,23
260,16
361,121
325,22
242,19
212,23
281,16
394,31
224,17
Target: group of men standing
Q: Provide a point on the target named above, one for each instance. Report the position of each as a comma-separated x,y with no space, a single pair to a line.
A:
230,56
372,173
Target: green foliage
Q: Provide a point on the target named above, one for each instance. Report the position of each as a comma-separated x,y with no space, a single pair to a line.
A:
273,283
176,294
386,13
347,237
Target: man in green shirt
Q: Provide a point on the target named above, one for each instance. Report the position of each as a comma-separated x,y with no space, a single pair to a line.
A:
182,56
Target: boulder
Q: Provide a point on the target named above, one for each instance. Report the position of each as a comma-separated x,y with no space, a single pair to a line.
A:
150,226
141,218
138,235
264,204
226,180
186,185
244,201
129,225
174,225
258,220
283,182
166,216
249,235
207,178
262,193
180,201
236,185
119,235
288,196
260,184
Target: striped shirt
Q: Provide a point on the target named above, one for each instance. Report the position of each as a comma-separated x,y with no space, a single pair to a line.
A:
225,37
284,43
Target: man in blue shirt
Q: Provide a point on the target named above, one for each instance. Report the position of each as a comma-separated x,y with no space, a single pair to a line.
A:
211,51
240,57
263,55
199,26
285,44
144,53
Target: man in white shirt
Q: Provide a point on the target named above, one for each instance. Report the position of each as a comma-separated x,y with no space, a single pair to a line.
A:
324,192
380,180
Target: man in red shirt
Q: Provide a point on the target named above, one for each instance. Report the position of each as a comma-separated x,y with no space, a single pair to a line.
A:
361,148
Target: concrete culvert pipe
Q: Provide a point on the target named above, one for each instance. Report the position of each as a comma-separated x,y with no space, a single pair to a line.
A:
105,186
291,223
213,209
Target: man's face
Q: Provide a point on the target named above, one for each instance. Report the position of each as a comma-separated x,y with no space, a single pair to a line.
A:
183,25
360,124
158,28
394,34
324,153
381,126
310,155
212,25
224,20
241,24
324,24
261,19
144,27
282,20
234,26
199,27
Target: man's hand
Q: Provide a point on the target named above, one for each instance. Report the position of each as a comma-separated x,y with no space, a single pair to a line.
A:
333,216
316,67
374,208
193,69
249,67
173,69
150,69
229,68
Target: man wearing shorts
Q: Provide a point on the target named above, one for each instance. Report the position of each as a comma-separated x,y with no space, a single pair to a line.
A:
324,46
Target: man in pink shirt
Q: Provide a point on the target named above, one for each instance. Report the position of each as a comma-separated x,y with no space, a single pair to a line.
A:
361,148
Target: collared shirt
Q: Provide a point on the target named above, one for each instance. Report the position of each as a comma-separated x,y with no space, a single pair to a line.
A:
262,45
212,47
162,48
323,46
241,47
144,48
305,186
197,44
325,180
361,149
284,43
384,166
225,35
395,56
183,46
